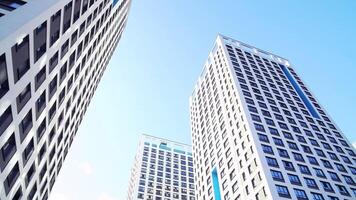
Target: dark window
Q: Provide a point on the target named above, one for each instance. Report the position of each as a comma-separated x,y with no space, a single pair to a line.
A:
85,6
76,10
67,16
4,82
52,87
40,77
25,125
27,152
282,191
7,151
42,152
41,130
294,179
74,37
82,28
30,173
23,97
18,194
64,48
71,60
39,41
277,176
11,178
53,62
300,194
55,27
40,104
21,58
5,119
52,111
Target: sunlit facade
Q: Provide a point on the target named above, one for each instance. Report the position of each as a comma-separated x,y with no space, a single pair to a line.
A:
53,54
259,133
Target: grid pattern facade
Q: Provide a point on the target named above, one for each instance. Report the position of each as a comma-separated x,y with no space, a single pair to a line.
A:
255,122
52,57
163,170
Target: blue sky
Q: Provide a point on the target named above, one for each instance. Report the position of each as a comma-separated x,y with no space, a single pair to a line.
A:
146,86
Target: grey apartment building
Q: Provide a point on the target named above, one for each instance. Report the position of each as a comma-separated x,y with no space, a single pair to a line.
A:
53,54
259,133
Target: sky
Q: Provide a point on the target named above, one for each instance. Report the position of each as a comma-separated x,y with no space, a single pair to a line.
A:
147,84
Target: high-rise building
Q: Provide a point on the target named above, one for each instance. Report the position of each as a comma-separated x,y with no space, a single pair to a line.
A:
162,170
52,56
259,133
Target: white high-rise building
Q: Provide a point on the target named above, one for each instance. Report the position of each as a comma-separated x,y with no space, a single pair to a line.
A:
163,170
52,56
259,133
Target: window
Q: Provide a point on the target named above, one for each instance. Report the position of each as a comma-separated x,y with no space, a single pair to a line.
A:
311,183
40,77
41,130
317,196
40,38
278,142
52,87
53,62
5,119
282,191
327,186
300,194
272,162
40,104
11,178
21,58
67,16
294,179
282,153
55,27
263,137
304,169
23,97
4,83
7,151
64,48
267,149
342,189
25,125
26,154
277,176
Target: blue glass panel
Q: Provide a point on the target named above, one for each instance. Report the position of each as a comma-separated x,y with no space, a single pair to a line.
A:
114,2
301,94
216,186
165,147
179,151
147,143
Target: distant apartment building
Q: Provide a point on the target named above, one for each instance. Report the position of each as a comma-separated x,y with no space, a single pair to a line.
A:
52,56
259,133
163,170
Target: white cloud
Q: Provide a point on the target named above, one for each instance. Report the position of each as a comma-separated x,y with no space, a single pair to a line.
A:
354,144
106,196
86,168
59,196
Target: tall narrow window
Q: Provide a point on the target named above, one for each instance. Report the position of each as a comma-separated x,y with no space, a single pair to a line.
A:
216,185
4,83
300,92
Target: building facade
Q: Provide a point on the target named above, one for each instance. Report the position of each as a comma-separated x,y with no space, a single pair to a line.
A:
52,56
162,170
259,133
